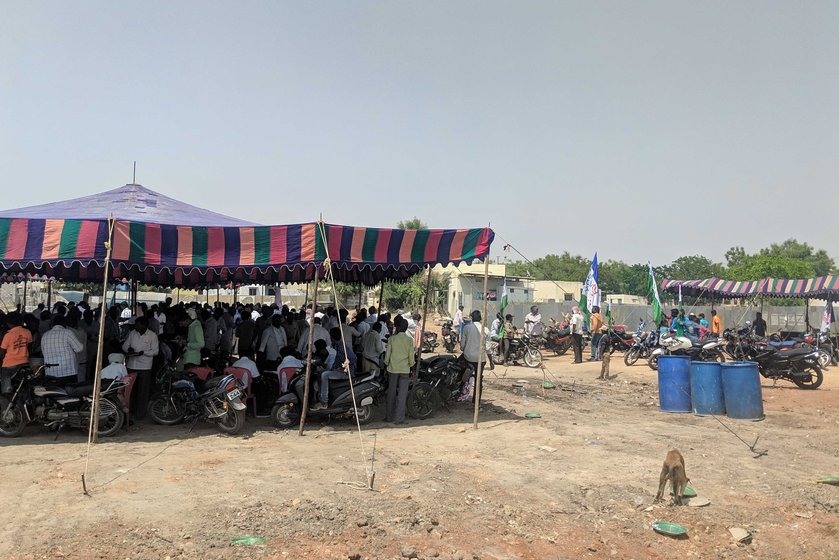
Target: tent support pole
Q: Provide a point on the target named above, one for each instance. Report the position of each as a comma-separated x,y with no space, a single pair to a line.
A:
25,288
218,294
97,376
309,354
49,295
807,314
381,298
482,350
422,331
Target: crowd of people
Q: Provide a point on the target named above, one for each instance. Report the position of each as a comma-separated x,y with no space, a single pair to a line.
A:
259,338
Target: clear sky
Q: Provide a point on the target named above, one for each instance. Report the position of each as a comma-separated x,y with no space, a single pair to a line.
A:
641,130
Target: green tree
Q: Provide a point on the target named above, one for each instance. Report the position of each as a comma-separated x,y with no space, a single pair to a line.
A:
760,266
820,262
695,267
617,277
413,223
552,267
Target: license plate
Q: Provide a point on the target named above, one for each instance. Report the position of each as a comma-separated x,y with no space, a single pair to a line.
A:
234,394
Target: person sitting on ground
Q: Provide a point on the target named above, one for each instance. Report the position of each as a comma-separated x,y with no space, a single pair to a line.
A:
344,359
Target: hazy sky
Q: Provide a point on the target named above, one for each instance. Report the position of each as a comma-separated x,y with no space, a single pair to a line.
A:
641,130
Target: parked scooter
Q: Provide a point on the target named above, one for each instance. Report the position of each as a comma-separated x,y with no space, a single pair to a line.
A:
187,396
703,351
59,407
367,387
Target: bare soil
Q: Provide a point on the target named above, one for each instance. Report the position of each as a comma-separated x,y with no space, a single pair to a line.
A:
578,482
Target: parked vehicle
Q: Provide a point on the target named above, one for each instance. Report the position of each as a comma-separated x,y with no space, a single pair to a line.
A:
643,345
439,382
187,396
450,337
525,349
58,407
799,365
557,339
368,388
616,339
429,341
707,350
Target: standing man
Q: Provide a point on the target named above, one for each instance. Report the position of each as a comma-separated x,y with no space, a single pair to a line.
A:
273,340
59,346
509,329
595,325
142,343
14,350
716,323
759,324
457,322
533,322
399,359
575,324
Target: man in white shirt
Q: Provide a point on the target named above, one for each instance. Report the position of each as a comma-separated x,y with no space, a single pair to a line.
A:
59,346
273,340
533,322
320,334
575,324
142,347
457,321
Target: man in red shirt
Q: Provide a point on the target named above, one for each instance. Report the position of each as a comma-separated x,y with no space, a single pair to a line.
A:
14,350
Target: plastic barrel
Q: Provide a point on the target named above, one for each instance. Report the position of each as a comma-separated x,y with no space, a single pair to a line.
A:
674,383
706,388
741,390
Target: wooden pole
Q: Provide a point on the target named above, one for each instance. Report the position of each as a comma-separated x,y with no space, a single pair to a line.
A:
103,313
424,319
49,295
309,354
381,298
480,372
25,288
806,314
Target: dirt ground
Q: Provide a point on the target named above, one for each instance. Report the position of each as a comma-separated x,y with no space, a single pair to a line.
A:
578,482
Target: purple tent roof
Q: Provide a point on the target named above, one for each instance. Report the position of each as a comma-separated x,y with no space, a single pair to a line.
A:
131,202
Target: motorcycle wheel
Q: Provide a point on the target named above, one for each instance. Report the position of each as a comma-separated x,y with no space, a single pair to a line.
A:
284,416
652,361
111,417
163,410
824,359
365,414
562,348
421,402
532,357
812,381
631,356
13,421
232,422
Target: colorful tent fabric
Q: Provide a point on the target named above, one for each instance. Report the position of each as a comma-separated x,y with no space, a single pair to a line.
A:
186,255
821,287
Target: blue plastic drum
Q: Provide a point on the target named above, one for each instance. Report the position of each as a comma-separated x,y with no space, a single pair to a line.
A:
741,390
706,395
674,383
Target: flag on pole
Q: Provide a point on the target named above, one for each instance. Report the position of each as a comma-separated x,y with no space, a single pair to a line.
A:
828,317
652,288
591,292
680,322
502,306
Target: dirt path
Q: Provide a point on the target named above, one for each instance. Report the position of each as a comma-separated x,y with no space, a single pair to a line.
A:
576,483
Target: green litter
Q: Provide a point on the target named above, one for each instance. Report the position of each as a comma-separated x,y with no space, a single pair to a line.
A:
834,480
548,385
248,540
532,415
688,492
669,529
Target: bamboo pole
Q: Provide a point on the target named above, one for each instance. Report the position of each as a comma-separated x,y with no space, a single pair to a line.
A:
25,288
415,374
309,353
381,298
482,350
97,376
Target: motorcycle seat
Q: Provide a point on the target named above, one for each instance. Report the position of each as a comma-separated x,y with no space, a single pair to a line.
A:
782,344
79,390
796,352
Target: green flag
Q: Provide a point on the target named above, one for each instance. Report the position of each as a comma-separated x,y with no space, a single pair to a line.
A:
502,306
653,295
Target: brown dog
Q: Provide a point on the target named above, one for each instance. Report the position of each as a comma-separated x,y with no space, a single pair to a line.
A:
674,471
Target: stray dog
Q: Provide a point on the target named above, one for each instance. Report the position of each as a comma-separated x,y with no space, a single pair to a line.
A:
605,359
674,471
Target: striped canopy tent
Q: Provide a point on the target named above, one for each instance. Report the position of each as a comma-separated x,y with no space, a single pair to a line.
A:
821,287
67,241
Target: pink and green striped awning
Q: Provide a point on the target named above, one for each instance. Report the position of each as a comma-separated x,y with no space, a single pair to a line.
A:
173,255
821,287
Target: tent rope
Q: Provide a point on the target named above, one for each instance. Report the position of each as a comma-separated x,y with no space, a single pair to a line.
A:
370,473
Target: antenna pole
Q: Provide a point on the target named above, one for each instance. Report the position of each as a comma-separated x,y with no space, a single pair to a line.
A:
134,177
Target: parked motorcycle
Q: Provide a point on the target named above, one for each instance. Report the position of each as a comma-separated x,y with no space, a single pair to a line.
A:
643,345
557,339
615,340
707,350
368,388
429,341
59,407
450,337
525,349
186,396
799,365
439,383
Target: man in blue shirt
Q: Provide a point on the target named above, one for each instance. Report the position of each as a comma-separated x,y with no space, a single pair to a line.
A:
342,360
